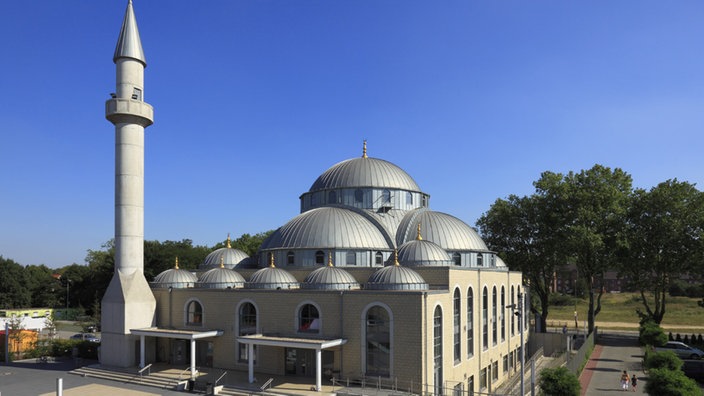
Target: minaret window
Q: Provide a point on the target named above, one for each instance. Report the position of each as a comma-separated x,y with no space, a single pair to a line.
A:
320,257
137,94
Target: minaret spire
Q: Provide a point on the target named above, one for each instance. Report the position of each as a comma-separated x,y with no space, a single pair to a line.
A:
129,44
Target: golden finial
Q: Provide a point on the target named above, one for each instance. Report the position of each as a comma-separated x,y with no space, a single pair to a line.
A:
330,259
364,149
396,263
420,238
228,241
222,262
271,260
176,265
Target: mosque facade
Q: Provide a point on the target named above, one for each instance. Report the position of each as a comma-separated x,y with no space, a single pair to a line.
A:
365,283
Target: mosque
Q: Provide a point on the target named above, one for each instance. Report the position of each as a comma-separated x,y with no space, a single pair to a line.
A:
366,282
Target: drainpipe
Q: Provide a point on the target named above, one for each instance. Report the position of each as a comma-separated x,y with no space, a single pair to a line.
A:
342,328
425,339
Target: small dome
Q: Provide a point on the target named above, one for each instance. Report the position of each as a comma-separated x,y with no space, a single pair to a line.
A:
330,278
175,278
396,277
227,256
500,262
448,232
272,278
421,252
220,278
364,172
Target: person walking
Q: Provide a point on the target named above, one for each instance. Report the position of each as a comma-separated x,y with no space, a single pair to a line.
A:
624,381
634,382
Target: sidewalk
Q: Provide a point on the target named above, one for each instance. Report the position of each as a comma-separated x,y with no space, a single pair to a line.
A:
613,354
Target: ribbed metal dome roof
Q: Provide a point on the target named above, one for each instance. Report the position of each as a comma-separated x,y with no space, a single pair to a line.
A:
500,262
364,172
220,278
327,227
227,256
396,277
330,278
272,278
447,231
421,252
175,277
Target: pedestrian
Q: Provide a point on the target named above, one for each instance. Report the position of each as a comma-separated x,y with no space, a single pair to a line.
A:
576,323
624,381
634,382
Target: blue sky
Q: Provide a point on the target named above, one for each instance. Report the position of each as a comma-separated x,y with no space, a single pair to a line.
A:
254,99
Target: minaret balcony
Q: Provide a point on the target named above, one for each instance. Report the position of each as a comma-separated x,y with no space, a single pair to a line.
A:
121,110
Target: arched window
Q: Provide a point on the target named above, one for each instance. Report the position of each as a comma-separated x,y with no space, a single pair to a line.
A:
409,198
378,342
351,258
513,317
290,258
358,195
437,351
378,259
320,257
247,326
456,326
485,318
386,196
424,201
494,317
480,259
195,314
456,258
470,323
503,316
332,197
308,319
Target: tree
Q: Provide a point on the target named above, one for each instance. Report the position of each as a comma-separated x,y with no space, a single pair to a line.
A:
664,382
558,381
662,360
526,232
663,240
13,281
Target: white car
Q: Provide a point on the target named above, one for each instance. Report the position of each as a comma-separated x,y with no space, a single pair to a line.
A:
85,337
682,350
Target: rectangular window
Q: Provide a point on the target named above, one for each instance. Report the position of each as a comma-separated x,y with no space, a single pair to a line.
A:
505,364
482,379
470,386
495,371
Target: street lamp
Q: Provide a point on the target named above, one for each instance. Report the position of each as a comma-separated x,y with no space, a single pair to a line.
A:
518,311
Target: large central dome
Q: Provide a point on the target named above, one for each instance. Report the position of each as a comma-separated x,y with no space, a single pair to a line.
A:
364,172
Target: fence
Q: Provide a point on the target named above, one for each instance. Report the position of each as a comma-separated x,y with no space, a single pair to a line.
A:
576,360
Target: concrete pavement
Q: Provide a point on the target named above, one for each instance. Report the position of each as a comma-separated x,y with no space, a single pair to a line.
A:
613,354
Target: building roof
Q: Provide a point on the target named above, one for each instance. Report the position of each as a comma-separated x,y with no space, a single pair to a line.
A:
448,232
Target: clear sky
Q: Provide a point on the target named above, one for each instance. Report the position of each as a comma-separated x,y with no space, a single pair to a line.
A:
254,99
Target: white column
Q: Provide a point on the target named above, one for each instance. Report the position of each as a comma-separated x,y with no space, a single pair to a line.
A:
193,359
318,369
250,362
141,351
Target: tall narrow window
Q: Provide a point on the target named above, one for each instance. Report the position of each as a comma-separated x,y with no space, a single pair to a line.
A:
480,260
470,386
409,198
437,351
456,326
378,342
513,309
503,316
351,258
456,258
470,323
485,318
386,196
290,258
195,314
332,197
309,319
358,195
248,325
494,317
320,257
378,259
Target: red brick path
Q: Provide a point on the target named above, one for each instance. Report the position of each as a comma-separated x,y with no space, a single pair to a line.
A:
588,371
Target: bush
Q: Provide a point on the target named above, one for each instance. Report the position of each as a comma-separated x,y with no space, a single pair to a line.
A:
676,289
561,300
695,291
652,334
558,382
662,360
663,382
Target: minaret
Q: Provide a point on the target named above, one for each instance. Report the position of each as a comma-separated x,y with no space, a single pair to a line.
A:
128,302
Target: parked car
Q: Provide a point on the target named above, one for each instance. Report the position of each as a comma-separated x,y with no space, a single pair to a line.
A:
682,350
85,337
694,369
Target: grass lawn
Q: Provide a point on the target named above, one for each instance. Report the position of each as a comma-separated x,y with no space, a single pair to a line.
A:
621,308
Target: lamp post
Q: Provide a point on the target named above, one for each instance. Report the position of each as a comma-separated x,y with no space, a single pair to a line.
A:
68,286
518,311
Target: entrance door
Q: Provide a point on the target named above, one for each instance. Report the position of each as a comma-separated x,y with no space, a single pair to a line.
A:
300,362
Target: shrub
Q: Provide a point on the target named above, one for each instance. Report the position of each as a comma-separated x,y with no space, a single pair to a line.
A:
695,291
663,382
676,289
558,382
662,360
670,337
652,334
678,337
561,300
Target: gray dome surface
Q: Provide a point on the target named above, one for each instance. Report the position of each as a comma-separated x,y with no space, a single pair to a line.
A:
330,278
272,278
176,278
364,172
228,256
327,227
421,252
447,231
220,278
396,277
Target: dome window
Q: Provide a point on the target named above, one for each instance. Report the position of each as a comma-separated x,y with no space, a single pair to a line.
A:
351,258
195,314
386,196
409,198
457,259
332,197
378,259
320,257
309,319
480,260
290,258
358,195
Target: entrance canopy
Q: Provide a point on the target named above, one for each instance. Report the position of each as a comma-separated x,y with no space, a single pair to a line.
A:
178,334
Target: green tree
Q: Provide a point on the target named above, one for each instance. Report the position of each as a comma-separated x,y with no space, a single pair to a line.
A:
663,240
558,381
13,285
664,382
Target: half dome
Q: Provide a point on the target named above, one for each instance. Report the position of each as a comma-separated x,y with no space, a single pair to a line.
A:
446,231
422,252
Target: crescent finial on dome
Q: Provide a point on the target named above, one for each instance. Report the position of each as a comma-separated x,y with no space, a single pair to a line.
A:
330,259
364,149
222,262
396,263
271,260
229,246
418,237
176,264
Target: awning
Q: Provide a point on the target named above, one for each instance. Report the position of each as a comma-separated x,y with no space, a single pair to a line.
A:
290,342
178,334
